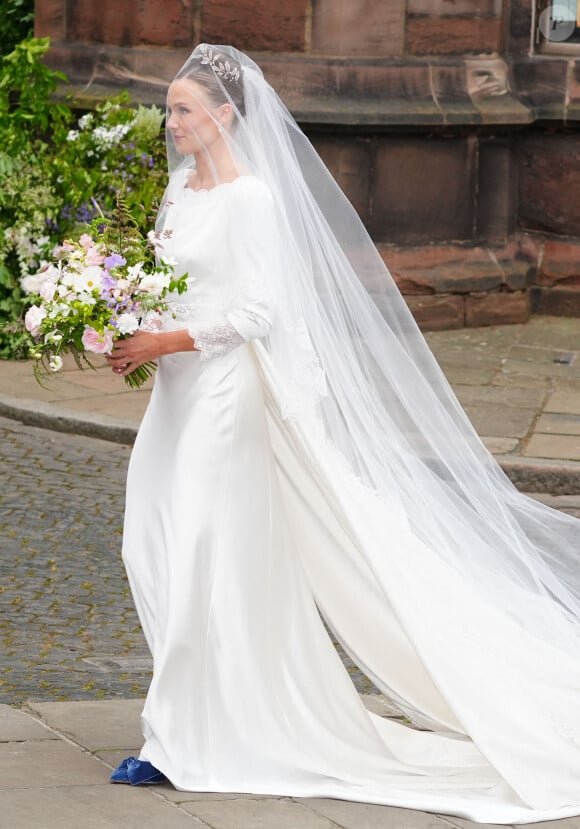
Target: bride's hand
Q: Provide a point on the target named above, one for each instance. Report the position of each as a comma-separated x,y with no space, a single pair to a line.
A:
140,348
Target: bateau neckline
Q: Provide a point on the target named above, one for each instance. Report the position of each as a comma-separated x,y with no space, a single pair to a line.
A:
219,186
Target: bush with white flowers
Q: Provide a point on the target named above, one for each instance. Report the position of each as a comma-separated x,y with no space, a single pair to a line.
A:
53,164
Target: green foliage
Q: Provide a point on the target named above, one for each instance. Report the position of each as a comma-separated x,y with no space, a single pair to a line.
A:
112,148
54,168
27,112
16,23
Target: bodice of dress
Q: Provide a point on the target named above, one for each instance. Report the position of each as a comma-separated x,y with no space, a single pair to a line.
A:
226,241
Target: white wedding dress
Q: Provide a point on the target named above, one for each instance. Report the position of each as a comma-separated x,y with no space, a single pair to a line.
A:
241,526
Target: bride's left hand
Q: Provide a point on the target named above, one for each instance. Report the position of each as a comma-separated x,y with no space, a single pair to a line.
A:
141,347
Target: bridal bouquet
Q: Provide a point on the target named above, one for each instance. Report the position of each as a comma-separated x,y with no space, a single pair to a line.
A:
97,291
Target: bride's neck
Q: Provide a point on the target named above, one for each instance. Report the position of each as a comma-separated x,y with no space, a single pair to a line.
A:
215,165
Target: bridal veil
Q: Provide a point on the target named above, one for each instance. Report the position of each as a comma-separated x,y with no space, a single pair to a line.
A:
492,571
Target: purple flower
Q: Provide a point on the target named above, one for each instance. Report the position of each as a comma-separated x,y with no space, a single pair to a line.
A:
84,213
108,282
114,260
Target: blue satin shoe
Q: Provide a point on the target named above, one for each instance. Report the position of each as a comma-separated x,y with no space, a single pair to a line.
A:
137,773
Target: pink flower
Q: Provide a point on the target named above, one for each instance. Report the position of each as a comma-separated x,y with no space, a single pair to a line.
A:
97,343
86,241
33,318
47,290
94,257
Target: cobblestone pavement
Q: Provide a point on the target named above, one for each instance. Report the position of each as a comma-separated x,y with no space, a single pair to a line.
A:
68,628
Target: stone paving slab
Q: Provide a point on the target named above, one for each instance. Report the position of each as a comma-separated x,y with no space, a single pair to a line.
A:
16,726
91,807
84,723
510,396
368,816
564,401
564,447
248,813
501,421
46,763
558,424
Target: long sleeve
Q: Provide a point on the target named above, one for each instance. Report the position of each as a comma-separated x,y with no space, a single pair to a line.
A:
253,248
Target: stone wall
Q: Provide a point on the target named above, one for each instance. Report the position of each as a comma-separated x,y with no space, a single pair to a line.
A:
456,142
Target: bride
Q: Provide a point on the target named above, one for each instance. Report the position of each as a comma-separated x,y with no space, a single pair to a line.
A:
303,456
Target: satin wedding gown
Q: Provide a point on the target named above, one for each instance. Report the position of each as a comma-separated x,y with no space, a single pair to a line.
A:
241,528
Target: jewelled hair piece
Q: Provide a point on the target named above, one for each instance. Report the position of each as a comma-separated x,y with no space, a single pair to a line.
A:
222,67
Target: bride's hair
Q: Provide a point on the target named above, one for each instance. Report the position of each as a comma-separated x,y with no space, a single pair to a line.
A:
221,77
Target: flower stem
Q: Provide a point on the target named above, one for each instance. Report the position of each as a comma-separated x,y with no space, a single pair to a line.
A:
140,375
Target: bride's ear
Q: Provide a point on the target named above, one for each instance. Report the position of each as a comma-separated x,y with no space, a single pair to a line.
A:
225,115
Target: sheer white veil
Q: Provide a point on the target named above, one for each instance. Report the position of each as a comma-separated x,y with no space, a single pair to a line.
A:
357,373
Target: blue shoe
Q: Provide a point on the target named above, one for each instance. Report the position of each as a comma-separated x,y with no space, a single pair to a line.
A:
137,773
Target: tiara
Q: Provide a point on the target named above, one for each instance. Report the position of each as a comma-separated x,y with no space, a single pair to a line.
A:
220,66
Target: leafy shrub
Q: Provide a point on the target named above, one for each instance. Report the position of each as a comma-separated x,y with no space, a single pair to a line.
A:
16,23
27,113
54,168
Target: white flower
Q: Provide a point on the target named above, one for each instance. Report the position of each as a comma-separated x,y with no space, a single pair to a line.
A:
169,261
86,120
32,283
127,323
72,135
52,337
33,318
135,272
55,363
47,290
154,239
52,272
107,137
154,283
88,279
41,242
86,298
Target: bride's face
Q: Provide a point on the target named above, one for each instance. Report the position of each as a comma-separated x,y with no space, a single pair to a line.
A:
193,118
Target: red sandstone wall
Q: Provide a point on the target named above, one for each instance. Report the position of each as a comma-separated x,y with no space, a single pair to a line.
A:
322,27
422,110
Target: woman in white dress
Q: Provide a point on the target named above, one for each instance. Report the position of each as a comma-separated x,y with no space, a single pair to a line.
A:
303,455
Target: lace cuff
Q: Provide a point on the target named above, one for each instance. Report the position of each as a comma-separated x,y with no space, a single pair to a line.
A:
215,340
152,322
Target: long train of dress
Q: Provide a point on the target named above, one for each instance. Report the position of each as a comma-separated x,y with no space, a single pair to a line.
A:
241,529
